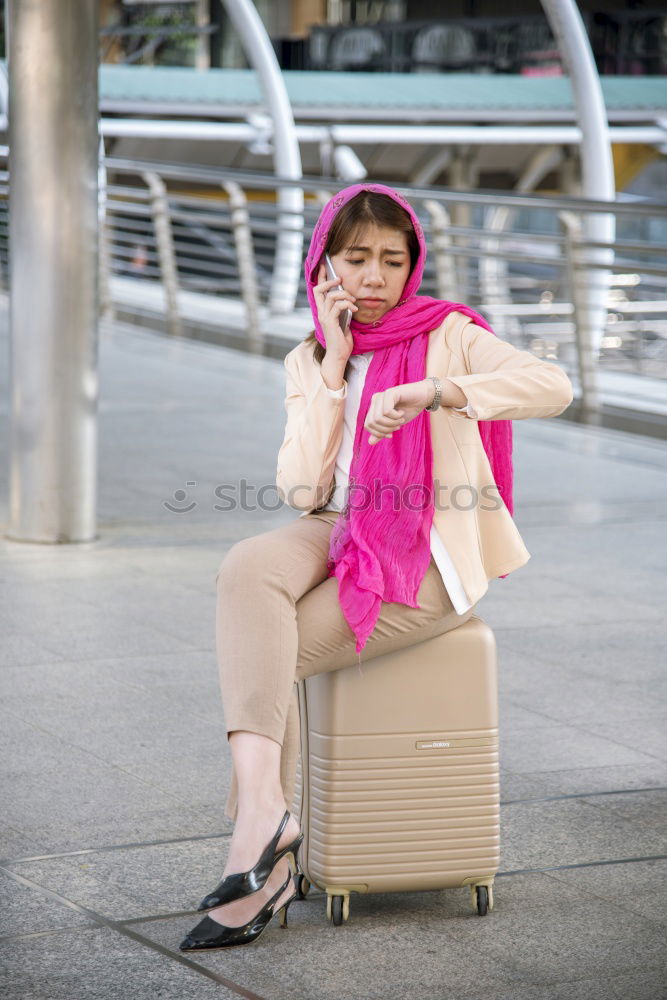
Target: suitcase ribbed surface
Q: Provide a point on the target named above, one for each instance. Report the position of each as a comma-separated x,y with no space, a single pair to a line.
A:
379,821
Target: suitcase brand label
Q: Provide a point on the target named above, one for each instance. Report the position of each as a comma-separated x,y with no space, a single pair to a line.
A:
483,741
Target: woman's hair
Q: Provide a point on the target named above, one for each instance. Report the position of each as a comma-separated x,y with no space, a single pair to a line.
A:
366,208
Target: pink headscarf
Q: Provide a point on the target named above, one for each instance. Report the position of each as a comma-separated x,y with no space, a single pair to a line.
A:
378,553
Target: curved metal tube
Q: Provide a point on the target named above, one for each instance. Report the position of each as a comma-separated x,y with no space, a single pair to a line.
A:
286,156
597,174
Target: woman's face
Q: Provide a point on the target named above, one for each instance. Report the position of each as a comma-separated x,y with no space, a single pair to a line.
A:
374,270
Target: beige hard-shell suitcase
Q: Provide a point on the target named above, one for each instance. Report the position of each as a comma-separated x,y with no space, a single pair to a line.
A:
398,781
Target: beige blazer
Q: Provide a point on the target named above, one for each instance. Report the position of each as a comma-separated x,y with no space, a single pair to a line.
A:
501,383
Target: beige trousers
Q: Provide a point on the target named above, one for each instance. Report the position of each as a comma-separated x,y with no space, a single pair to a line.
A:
279,620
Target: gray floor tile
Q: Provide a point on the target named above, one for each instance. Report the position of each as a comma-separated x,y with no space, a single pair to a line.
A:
14,844
568,696
145,822
576,940
82,631
573,831
596,779
639,808
554,602
487,955
390,949
135,882
97,965
54,801
646,735
644,984
25,911
554,747
19,649
639,888
611,651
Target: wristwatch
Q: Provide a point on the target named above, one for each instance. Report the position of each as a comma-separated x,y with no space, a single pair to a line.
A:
435,405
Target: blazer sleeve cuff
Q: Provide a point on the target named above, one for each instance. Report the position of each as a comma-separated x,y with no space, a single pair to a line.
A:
337,393
468,410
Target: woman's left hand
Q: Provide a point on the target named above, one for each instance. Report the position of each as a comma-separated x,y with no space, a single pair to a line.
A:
394,407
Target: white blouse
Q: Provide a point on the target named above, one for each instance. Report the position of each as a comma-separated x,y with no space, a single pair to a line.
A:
351,392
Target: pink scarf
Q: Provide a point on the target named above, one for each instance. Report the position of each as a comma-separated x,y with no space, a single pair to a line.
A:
378,553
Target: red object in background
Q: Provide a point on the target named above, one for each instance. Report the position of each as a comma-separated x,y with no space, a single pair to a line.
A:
555,69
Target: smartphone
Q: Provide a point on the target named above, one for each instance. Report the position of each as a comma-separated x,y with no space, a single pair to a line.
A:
345,317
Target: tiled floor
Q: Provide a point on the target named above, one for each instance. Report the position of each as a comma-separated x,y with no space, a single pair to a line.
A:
115,764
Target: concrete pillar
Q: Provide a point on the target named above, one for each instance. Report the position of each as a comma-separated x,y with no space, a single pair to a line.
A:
53,164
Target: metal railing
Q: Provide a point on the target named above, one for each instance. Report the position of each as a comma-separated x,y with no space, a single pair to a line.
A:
215,231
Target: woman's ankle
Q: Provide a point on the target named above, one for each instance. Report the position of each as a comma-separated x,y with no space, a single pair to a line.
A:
260,806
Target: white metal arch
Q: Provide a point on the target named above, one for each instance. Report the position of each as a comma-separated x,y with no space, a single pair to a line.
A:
597,171
596,159
286,152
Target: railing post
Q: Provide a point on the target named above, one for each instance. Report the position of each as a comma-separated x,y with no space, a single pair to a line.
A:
106,300
445,271
165,248
586,319
463,176
245,255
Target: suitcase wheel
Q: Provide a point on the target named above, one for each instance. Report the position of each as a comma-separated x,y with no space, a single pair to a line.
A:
338,908
482,898
302,886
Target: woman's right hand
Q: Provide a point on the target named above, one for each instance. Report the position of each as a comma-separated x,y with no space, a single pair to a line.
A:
330,304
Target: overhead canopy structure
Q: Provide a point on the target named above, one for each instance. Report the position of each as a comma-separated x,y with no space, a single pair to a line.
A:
228,93
219,117
394,123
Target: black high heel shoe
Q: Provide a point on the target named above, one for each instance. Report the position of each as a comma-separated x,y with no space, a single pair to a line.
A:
241,884
210,934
